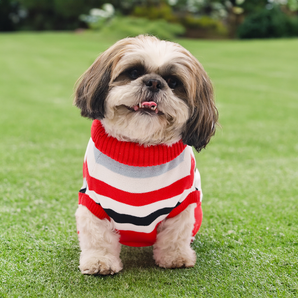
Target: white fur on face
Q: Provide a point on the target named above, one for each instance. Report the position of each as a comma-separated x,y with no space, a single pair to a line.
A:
122,122
148,129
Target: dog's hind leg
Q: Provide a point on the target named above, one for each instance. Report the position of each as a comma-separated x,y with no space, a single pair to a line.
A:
172,248
99,243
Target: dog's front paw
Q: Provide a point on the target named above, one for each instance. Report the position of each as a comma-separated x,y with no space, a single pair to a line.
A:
97,263
175,258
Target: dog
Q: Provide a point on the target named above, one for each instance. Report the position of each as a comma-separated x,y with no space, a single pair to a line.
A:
150,101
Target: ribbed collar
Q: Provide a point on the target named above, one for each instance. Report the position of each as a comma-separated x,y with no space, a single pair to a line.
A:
133,154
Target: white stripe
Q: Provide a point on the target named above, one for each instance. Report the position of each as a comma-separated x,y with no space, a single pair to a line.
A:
138,211
197,183
84,183
89,146
138,185
142,229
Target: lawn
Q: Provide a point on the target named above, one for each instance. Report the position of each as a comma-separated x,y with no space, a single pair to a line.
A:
247,245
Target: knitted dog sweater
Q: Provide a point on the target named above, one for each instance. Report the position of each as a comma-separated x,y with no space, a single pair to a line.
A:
138,187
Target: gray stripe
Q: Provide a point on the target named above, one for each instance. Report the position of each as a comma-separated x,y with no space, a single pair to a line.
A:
136,172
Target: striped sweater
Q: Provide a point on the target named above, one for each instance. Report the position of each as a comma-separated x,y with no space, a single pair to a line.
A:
136,186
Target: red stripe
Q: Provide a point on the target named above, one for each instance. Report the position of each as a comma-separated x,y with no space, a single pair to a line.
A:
140,199
199,219
193,197
131,238
94,208
126,152
139,239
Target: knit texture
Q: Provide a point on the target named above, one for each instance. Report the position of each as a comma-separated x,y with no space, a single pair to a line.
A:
133,154
137,187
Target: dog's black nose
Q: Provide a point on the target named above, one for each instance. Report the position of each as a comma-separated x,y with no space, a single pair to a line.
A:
154,85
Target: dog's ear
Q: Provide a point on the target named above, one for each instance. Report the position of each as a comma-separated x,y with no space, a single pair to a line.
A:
92,89
93,86
204,115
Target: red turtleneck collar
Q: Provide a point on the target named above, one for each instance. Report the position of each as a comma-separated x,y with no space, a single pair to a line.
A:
133,154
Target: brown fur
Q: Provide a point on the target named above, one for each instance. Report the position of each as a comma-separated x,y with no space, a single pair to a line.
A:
201,125
94,85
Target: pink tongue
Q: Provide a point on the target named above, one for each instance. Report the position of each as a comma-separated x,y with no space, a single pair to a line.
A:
149,103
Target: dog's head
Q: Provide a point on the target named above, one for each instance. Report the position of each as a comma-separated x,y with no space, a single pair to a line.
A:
149,91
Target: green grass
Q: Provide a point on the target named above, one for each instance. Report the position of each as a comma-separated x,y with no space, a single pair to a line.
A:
247,245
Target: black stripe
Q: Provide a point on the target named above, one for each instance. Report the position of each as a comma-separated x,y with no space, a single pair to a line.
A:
138,221
83,190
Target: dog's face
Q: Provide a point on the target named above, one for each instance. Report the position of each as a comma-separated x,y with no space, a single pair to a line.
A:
151,92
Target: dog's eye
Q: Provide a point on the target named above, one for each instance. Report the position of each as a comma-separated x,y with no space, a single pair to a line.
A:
172,82
135,73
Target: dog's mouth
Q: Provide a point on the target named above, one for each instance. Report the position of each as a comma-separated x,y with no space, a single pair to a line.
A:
147,107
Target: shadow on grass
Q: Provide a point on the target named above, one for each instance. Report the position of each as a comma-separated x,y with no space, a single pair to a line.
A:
208,252
137,257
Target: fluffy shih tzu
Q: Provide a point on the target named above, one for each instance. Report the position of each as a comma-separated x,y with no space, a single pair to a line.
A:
150,101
